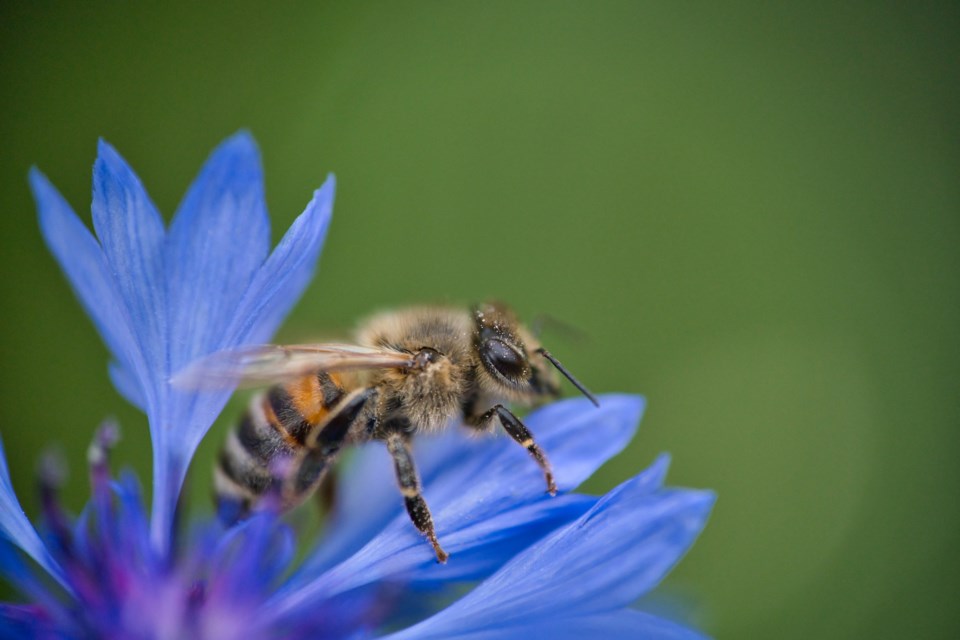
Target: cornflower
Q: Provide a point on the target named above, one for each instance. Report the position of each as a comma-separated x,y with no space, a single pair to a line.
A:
563,567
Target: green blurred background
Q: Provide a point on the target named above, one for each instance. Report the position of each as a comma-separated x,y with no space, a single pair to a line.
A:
752,212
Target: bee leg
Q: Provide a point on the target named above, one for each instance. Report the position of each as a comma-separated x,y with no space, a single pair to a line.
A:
519,432
322,447
327,493
399,447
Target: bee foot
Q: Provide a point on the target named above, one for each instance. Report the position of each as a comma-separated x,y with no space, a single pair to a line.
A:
442,555
551,485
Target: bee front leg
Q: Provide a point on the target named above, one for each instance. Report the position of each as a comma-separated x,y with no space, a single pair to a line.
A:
519,432
399,447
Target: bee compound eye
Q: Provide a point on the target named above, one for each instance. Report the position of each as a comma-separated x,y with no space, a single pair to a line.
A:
505,360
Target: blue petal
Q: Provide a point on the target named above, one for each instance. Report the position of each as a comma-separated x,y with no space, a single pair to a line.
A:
132,523
283,278
625,624
15,526
499,474
216,244
26,622
217,241
602,562
132,236
467,480
84,264
24,579
274,289
127,385
487,543
248,558
475,488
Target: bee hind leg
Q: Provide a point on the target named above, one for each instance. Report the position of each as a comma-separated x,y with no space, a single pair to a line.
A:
399,447
519,432
326,495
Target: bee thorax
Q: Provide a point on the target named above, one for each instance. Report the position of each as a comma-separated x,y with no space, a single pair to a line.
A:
428,397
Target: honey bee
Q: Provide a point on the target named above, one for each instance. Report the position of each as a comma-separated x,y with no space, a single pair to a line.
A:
411,371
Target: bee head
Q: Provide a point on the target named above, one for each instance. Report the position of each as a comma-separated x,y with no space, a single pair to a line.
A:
505,358
498,344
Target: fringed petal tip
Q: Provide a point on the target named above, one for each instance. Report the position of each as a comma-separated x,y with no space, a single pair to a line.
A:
281,280
218,240
124,217
86,267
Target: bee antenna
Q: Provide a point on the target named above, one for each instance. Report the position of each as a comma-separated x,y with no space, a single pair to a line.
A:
569,376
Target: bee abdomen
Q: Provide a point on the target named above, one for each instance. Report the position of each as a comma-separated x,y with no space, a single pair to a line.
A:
267,449
243,470
301,405
327,442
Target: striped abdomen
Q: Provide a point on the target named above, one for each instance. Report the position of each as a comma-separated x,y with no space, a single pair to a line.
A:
284,443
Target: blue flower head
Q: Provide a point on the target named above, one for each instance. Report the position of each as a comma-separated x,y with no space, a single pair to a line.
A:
160,298
561,567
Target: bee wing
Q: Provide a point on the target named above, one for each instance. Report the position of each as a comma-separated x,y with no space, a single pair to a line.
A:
270,364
